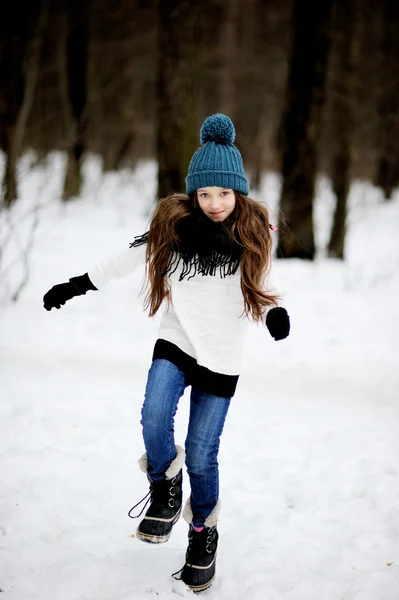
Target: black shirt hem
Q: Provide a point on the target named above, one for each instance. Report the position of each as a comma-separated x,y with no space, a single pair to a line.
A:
200,378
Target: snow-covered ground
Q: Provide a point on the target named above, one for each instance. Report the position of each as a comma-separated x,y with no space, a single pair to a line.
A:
309,456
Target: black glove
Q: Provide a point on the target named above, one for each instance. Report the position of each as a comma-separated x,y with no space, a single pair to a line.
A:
61,293
278,323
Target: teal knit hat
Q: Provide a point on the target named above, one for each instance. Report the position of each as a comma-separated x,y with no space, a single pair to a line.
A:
218,162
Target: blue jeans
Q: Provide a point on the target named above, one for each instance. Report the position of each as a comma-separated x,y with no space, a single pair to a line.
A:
165,386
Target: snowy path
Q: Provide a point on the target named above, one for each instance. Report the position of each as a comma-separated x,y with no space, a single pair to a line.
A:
309,457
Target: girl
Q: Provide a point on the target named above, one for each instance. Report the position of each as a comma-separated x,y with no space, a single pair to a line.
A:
207,256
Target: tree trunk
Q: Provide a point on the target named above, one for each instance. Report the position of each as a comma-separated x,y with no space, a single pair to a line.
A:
77,58
228,51
344,63
177,92
388,111
16,124
69,124
10,191
301,122
117,154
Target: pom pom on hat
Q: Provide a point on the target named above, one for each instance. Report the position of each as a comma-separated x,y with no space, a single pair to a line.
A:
219,129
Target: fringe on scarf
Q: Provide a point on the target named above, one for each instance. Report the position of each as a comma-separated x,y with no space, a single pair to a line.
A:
213,264
205,260
139,240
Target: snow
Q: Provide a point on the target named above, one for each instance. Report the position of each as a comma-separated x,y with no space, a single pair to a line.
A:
309,455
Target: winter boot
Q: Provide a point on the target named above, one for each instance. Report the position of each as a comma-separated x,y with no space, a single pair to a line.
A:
165,498
199,569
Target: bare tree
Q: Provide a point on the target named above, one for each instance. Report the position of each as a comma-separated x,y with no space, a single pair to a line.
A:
74,84
387,177
344,62
270,60
300,127
68,121
227,57
23,48
177,91
19,226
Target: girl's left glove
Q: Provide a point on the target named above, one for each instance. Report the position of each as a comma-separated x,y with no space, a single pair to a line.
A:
278,323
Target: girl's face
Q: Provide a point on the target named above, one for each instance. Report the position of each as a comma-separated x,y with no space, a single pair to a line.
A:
217,203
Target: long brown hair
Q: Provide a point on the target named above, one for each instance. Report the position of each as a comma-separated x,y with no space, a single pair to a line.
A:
250,228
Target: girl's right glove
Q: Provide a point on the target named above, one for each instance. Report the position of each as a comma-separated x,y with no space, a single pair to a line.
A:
278,323
61,293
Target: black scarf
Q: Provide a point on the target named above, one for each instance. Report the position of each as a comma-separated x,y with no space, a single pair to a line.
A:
203,248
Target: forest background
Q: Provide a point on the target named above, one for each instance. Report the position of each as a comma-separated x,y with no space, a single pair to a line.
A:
313,88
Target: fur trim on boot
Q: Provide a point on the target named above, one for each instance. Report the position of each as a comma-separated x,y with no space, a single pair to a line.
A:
174,466
166,498
211,519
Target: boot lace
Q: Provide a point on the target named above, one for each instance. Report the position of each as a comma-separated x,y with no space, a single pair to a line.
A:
197,543
201,543
161,493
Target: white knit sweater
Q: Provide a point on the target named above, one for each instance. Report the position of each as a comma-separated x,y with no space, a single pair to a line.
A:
205,320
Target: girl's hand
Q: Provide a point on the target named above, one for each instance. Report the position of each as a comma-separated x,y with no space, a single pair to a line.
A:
278,323
61,293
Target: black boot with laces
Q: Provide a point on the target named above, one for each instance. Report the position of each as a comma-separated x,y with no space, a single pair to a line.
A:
163,512
200,568
165,498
